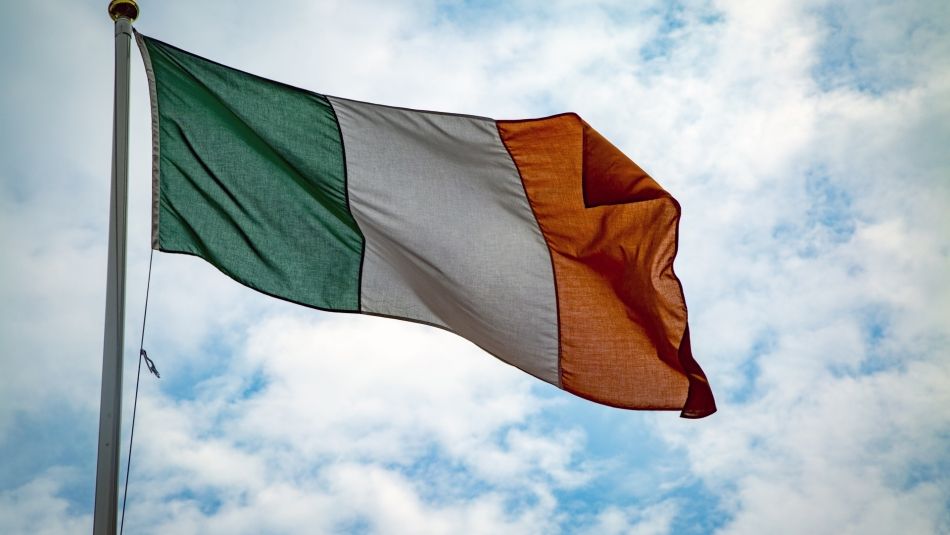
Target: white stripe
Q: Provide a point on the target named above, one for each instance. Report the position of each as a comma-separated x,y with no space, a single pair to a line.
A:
450,237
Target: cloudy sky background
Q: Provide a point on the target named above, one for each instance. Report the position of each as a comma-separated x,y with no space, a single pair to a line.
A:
807,142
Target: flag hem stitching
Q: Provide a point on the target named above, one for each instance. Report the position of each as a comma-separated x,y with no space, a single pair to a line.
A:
156,131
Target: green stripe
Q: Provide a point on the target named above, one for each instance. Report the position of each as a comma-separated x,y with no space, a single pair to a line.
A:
252,179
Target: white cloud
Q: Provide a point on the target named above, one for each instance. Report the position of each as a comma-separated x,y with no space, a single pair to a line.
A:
843,428
36,508
653,520
420,434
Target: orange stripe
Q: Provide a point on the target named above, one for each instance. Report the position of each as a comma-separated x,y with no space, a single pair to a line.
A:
623,334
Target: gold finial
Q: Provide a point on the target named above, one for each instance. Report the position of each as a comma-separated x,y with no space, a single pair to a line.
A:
123,8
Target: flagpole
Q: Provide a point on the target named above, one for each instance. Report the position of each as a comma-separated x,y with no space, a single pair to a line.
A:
122,12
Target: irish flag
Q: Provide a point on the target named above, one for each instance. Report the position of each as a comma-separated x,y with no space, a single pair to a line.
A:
537,240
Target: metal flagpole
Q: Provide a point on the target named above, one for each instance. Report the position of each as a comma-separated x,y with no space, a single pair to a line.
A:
123,12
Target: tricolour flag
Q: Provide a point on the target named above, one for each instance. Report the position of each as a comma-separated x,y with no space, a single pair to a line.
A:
536,239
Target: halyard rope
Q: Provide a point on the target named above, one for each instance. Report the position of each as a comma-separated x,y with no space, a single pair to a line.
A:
151,368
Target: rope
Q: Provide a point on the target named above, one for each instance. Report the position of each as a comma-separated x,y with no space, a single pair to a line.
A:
151,368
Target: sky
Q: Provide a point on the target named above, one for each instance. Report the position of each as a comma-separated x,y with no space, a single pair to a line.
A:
806,141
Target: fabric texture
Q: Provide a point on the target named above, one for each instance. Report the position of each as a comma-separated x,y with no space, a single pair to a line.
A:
623,315
252,179
537,240
450,238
